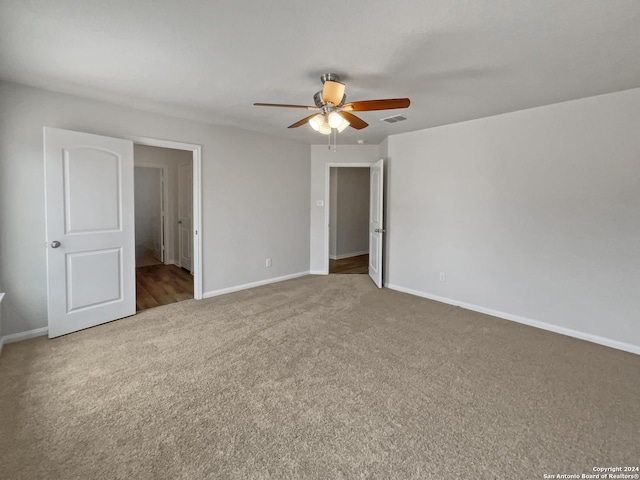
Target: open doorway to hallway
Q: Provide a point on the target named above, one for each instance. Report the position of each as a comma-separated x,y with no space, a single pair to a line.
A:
349,220
164,234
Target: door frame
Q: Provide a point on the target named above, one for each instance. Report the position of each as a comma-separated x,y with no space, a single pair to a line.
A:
327,201
197,200
165,202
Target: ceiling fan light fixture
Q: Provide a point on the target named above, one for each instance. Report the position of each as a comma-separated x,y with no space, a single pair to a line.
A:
316,122
335,119
325,128
332,92
343,124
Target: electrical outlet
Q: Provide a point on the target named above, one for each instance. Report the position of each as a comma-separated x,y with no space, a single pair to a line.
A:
443,277
268,262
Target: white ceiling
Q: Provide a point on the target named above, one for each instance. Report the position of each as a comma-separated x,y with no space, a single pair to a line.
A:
210,60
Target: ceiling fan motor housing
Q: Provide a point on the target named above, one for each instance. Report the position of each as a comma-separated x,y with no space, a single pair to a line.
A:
332,77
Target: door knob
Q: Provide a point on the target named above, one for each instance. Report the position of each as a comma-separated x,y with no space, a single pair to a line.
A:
379,230
55,244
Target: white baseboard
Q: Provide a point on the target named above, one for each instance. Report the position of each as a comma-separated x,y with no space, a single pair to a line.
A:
237,288
317,272
16,337
348,255
607,342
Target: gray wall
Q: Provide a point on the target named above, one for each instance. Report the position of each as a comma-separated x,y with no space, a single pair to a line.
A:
148,205
350,227
533,214
255,193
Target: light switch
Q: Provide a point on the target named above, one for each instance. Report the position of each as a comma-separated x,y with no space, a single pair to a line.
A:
320,203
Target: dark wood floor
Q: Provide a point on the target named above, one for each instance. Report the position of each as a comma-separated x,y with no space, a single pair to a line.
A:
162,284
357,265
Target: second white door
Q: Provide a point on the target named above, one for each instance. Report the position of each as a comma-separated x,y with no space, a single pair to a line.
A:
185,216
376,228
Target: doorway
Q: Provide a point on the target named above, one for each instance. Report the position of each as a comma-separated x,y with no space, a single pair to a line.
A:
90,227
349,198
163,180
193,243
376,217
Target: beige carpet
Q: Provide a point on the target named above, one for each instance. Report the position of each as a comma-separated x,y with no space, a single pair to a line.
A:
319,378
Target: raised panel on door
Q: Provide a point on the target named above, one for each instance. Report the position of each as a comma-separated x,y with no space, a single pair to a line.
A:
374,208
91,190
88,290
374,245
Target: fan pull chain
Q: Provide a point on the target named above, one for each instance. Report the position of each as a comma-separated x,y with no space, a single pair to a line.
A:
334,134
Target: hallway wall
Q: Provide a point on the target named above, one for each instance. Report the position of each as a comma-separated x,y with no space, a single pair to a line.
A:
148,218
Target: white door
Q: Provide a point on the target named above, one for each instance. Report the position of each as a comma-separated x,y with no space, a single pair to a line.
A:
90,229
376,229
185,215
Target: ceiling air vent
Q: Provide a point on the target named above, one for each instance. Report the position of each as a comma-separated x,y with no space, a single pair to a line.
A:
394,118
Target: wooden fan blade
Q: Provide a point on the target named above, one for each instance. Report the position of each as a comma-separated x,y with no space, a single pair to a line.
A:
354,121
368,105
284,105
302,122
332,92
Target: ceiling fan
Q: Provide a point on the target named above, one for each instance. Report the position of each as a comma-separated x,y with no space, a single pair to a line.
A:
333,112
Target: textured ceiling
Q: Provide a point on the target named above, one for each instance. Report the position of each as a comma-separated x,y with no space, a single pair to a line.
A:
210,60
